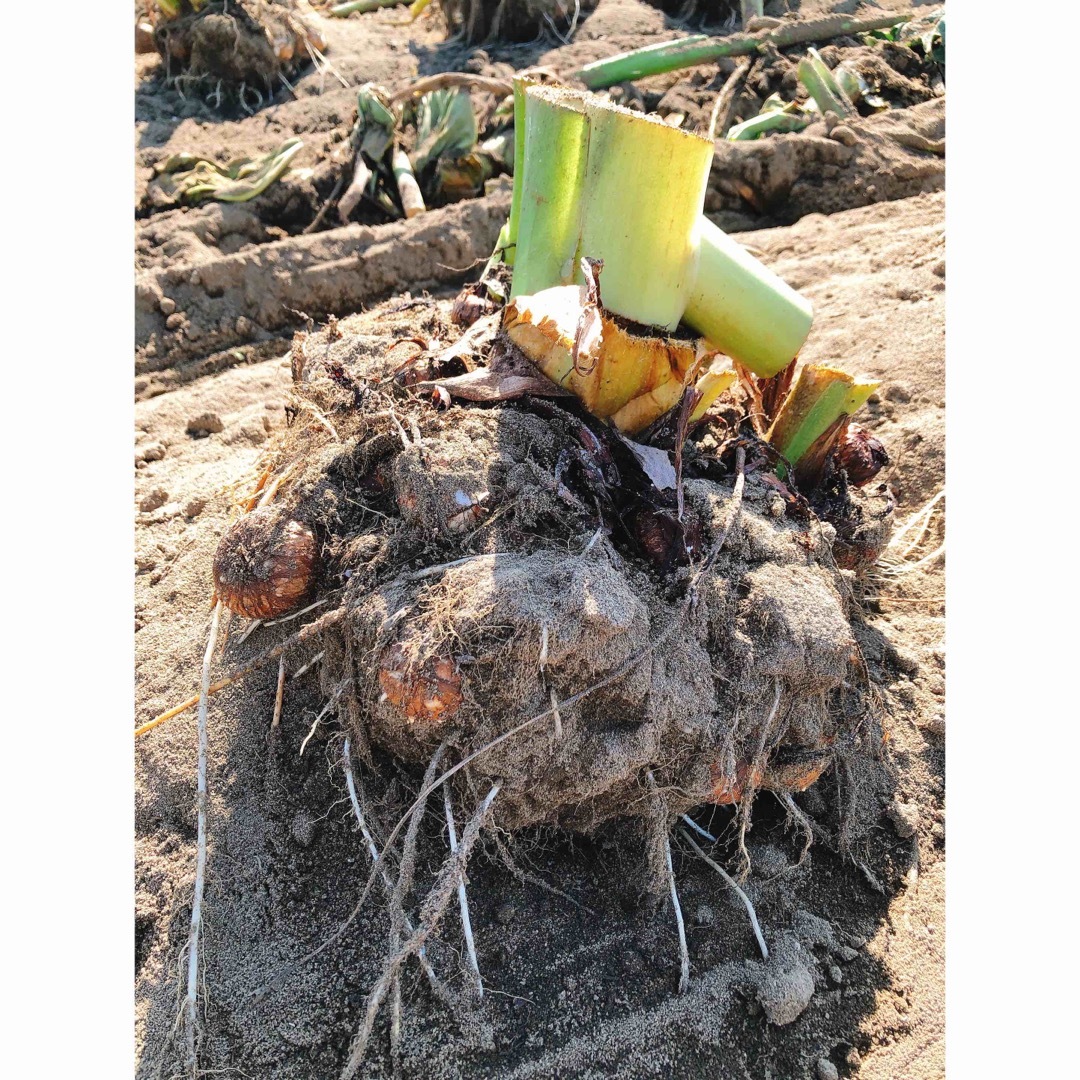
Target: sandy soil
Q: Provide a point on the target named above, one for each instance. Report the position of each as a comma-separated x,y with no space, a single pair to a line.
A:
571,992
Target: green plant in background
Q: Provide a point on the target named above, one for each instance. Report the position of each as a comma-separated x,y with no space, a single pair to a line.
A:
445,127
776,115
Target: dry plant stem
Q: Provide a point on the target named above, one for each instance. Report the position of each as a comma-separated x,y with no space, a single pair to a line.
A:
431,913
463,900
191,1001
388,884
720,120
453,80
731,881
431,571
279,696
297,614
613,676
342,11
249,630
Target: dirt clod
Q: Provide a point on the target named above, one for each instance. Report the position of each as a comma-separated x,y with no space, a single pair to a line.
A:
194,506
905,818
153,499
151,451
204,424
826,1070
787,984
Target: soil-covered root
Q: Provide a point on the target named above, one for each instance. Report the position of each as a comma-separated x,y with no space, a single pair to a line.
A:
237,49
482,592
512,20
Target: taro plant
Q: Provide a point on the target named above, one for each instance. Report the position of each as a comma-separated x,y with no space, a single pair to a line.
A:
598,185
598,188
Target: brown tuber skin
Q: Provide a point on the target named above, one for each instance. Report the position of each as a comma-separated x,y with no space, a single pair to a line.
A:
791,769
265,565
430,694
860,455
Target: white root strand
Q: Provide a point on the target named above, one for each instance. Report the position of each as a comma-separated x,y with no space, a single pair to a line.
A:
430,914
191,1001
310,664
318,719
373,851
920,516
684,952
731,881
463,900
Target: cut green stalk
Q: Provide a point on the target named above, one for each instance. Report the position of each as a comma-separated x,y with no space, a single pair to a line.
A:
641,206
820,84
412,202
508,243
819,398
602,182
785,118
743,308
701,49
341,11
549,179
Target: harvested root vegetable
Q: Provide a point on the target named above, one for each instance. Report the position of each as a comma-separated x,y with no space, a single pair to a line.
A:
549,572
265,565
429,691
